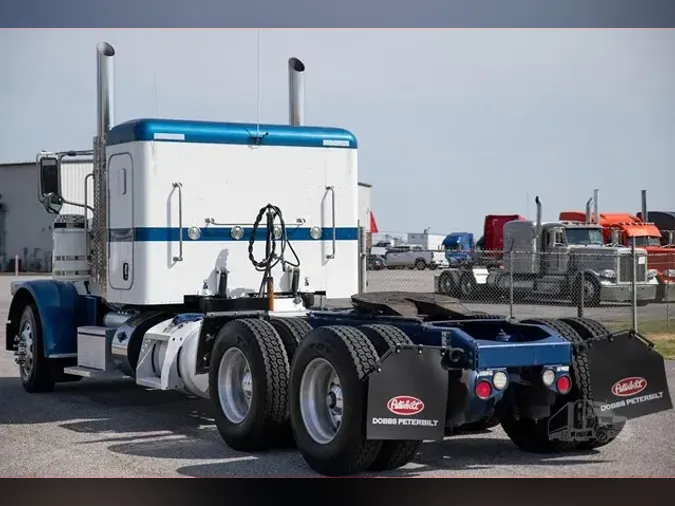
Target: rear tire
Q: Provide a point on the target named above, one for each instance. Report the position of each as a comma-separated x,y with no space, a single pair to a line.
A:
248,385
467,285
36,372
533,436
393,454
291,331
420,265
333,443
448,283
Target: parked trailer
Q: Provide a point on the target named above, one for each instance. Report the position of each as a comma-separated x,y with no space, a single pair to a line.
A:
171,284
564,259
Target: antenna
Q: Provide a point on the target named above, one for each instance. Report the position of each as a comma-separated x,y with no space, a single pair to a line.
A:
257,85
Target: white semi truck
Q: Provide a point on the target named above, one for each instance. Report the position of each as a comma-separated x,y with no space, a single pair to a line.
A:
192,267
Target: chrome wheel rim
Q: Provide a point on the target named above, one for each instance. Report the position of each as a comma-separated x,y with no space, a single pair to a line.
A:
26,349
589,289
235,385
321,401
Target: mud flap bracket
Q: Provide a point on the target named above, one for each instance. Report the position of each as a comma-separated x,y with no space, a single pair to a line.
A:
408,396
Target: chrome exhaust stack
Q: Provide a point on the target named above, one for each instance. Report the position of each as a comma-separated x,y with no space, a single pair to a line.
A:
596,217
539,220
588,210
296,92
105,88
105,105
645,216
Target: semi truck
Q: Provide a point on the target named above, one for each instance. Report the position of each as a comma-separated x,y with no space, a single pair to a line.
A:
623,229
664,221
627,229
460,248
563,260
191,268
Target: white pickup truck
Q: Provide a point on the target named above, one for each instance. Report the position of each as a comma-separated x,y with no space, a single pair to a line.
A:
412,256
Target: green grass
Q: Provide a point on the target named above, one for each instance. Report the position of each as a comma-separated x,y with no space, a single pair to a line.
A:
660,331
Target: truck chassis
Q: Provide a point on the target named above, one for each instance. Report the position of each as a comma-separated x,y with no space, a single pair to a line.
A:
358,389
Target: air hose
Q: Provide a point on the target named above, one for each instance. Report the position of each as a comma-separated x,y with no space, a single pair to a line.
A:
271,258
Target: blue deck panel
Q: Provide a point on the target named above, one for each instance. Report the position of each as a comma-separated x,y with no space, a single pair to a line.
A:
549,351
209,132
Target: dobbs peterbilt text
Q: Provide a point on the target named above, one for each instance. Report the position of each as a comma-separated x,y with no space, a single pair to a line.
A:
405,421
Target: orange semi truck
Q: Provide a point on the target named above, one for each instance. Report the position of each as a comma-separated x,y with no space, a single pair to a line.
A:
620,228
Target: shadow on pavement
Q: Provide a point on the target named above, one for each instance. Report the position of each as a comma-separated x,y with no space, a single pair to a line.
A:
467,453
130,420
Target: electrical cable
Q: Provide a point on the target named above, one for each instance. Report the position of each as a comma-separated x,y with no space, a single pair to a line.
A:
271,258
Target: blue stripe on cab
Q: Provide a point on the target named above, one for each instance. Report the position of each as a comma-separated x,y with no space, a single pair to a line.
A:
208,132
166,234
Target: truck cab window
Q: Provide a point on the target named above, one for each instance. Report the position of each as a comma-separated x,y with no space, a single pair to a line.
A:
647,241
584,236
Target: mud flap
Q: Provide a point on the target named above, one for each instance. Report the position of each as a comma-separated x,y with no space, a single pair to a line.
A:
628,377
408,396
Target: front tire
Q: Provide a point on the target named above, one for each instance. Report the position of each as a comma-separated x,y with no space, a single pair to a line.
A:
328,400
591,290
35,372
248,385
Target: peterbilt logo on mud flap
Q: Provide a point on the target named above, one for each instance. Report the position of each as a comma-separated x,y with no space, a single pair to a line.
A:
628,387
405,405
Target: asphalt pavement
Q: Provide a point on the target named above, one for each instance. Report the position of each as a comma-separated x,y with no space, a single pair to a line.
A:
115,428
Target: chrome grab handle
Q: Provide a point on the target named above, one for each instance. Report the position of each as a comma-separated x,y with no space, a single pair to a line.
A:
179,258
332,190
86,220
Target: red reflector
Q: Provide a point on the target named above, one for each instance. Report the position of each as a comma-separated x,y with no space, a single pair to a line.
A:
564,384
483,389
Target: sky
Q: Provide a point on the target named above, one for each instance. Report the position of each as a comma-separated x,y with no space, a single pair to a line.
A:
452,124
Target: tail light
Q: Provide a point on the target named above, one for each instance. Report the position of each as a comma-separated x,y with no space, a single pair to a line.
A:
564,384
483,389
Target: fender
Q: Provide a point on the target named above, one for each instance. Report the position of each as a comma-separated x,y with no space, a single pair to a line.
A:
60,310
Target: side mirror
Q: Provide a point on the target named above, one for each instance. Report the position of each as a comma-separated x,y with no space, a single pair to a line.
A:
670,235
558,237
53,203
49,174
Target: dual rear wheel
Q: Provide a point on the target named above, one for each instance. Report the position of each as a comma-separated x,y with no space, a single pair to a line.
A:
271,382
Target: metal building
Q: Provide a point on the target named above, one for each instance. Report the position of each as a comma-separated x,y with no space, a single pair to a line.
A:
25,226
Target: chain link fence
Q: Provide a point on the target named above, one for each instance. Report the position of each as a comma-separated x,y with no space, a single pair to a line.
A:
622,288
